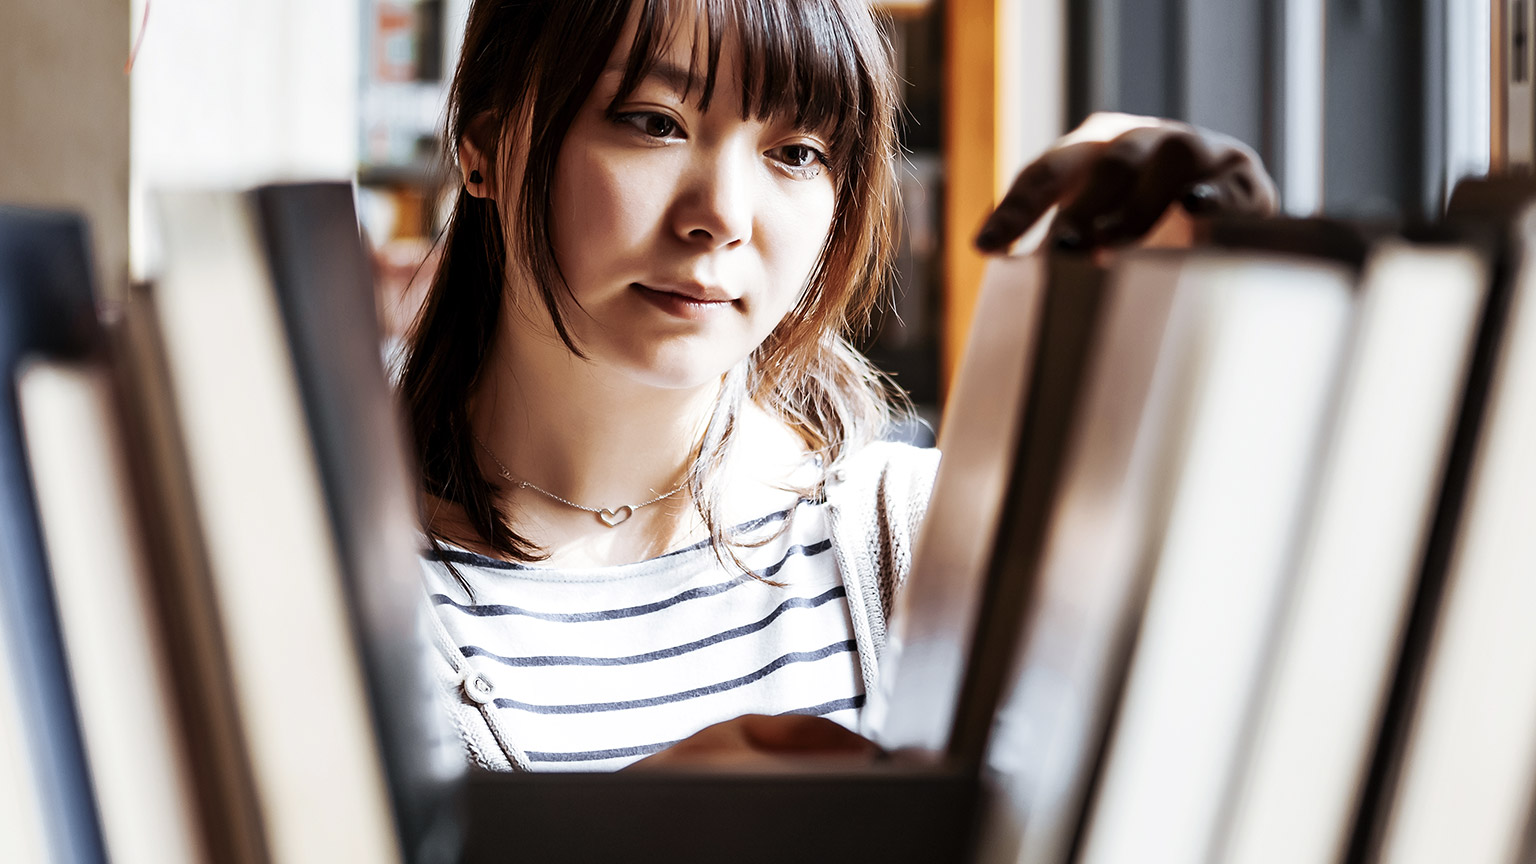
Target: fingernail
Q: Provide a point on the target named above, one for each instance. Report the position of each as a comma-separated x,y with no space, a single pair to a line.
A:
1200,198
1067,239
989,238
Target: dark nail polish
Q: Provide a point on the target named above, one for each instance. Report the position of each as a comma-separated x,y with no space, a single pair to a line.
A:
1200,198
989,238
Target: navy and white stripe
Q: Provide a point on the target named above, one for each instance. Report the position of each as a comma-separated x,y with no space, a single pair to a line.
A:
593,669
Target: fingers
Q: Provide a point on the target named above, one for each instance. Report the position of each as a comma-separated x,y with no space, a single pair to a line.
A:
1057,174
1170,165
1037,189
762,740
1129,186
1204,173
798,733
1114,192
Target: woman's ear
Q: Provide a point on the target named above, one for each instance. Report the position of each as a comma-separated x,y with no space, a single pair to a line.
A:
475,162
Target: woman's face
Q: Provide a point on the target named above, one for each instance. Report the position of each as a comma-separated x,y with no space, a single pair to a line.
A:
685,236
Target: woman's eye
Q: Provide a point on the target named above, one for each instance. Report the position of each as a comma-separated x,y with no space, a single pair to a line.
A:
801,159
651,124
799,155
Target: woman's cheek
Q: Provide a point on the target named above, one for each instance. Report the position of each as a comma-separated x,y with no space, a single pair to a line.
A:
803,222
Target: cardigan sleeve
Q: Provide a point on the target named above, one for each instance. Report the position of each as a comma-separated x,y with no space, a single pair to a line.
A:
904,493
878,496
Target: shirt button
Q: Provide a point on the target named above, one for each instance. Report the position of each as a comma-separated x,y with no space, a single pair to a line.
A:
478,688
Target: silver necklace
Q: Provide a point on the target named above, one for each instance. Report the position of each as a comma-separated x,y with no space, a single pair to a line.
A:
610,517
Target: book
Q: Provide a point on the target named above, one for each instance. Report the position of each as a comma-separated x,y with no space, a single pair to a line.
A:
1488,208
295,667
1069,325
1065,671
104,591
933,624
1253,400
178,557
322,276
1464,782
48,307
1318,713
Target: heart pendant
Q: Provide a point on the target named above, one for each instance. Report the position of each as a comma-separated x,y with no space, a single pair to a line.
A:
614,517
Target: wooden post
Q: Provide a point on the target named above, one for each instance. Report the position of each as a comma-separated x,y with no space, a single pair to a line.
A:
973,156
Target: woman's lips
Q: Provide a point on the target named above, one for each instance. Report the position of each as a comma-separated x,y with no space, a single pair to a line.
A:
680,305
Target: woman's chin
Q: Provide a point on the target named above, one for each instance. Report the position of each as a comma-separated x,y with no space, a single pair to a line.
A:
670,378
682,370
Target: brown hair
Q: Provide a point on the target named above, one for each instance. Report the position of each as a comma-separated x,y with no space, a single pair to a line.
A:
530,64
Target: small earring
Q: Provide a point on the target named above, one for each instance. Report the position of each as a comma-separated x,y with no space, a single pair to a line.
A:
474,177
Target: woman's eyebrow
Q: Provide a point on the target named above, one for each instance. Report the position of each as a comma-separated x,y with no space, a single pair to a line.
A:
668,74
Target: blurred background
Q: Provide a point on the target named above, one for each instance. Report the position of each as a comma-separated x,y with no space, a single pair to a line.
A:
1359,107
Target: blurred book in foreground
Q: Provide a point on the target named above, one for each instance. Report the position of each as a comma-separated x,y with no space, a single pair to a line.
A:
47,314
296,473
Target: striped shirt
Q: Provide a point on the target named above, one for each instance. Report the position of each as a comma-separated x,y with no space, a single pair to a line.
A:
592,669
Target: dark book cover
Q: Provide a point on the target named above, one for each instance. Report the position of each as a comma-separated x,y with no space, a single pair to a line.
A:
47,309
324,288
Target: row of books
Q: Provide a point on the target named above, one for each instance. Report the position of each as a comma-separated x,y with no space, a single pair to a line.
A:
1232,555
211,642
1227,561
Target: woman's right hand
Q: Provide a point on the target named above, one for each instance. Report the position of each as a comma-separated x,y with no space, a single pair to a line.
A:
762,741
1114,176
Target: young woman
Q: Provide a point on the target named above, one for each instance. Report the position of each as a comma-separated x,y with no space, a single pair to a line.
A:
656,491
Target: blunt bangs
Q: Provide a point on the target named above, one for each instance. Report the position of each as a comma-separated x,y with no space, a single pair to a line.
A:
802,62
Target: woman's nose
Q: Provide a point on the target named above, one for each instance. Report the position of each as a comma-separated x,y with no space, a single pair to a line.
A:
715,207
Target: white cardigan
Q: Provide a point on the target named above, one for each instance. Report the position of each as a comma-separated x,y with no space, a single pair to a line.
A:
875,502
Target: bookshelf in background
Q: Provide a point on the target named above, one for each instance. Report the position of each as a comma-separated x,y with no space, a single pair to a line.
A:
409,48
907,333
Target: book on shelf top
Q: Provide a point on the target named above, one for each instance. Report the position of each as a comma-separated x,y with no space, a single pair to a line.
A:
1252,399
937,611
1464,780
1070,321
1065,667
1319,704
